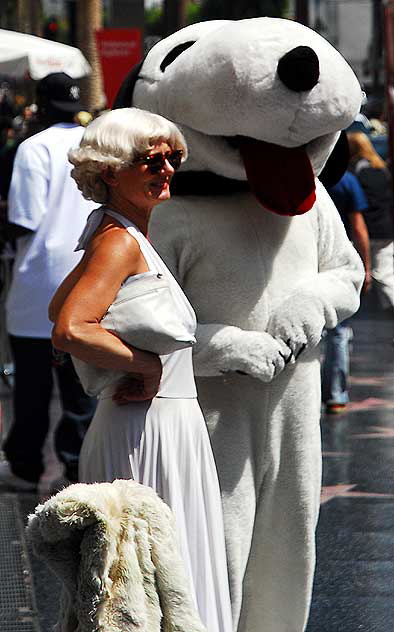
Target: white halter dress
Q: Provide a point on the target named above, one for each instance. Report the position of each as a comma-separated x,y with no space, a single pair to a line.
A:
164,443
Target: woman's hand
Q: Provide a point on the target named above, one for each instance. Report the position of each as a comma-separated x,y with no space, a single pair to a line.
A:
367,282
140,386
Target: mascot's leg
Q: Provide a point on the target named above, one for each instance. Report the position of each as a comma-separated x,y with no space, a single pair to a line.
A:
266,441
232,407
279,576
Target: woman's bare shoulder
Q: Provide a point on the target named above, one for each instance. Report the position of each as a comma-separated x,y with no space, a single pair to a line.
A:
111,256
112,244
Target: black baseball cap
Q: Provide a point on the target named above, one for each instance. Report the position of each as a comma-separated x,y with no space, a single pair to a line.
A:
60,91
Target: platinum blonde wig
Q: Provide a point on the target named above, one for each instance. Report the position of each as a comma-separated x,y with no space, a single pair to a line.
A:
115,139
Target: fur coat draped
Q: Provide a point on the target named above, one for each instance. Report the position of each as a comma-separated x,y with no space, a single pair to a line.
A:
114,547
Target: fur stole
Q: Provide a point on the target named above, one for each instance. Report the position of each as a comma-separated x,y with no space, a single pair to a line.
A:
114,547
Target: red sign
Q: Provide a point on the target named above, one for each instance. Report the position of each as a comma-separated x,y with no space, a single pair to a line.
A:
119,50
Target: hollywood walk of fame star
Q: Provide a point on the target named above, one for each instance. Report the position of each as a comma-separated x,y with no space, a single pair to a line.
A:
381,380
370,402
343,490
377,432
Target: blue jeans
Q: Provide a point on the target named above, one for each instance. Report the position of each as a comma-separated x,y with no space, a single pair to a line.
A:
335,371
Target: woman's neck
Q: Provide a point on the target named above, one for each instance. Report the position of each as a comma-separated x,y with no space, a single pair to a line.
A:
139,216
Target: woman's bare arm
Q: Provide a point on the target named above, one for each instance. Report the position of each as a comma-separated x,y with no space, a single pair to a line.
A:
84,297
360,238
63,290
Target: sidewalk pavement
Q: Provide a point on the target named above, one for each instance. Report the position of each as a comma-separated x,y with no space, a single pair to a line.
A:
354,584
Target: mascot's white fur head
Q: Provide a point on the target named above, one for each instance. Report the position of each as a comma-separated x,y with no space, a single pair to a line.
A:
262,99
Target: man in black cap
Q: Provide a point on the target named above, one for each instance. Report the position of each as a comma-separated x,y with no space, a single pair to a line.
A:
58,98
48,214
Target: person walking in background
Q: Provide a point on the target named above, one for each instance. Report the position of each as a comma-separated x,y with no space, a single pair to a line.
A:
374,178
47,213
7,144
351,203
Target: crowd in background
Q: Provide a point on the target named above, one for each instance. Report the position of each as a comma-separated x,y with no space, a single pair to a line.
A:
18,120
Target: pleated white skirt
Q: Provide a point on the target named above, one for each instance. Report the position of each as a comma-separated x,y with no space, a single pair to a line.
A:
164,444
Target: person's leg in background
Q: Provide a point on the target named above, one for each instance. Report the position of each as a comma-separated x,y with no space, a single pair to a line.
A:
78,410
335,370
33,387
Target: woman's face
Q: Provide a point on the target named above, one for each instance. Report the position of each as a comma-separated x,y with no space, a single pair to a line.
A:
141,188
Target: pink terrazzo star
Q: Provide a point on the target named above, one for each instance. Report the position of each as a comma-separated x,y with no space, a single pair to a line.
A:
370,402
343,490
371,381
377,432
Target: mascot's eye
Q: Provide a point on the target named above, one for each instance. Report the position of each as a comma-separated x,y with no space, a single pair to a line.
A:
174,53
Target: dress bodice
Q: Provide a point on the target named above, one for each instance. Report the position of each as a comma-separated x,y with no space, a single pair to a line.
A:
177,378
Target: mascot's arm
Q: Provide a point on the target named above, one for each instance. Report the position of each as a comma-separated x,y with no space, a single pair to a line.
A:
330,296
220,348
224,349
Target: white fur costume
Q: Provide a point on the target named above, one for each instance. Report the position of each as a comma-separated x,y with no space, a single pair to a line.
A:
263,284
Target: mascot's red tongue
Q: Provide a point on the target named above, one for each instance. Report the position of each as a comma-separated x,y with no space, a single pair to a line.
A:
280,177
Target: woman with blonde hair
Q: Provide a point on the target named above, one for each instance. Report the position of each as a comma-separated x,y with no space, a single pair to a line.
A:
361,147
148,425
375,180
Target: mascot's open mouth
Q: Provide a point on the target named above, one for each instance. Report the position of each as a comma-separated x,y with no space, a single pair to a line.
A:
281,178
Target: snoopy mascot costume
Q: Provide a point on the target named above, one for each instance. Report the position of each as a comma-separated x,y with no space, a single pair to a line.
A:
260,250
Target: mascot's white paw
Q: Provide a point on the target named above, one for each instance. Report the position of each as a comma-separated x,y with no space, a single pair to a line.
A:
233,350
298,321
260,355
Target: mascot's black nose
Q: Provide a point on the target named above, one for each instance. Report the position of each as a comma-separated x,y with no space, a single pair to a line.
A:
299,69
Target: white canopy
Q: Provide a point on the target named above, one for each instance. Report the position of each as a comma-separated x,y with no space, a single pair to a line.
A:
21,54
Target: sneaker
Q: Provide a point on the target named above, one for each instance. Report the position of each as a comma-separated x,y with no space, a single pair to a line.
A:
9,479
334,408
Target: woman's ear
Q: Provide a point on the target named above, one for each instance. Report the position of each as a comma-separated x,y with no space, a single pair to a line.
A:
110,177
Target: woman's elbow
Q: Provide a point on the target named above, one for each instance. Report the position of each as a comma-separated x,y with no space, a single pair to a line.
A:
64,337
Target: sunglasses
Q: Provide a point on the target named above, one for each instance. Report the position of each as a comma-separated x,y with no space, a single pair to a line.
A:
155,162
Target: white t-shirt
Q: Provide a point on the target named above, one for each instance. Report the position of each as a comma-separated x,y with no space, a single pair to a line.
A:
45,199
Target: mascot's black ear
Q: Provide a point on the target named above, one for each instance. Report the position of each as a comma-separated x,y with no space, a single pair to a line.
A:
337,162
125,94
